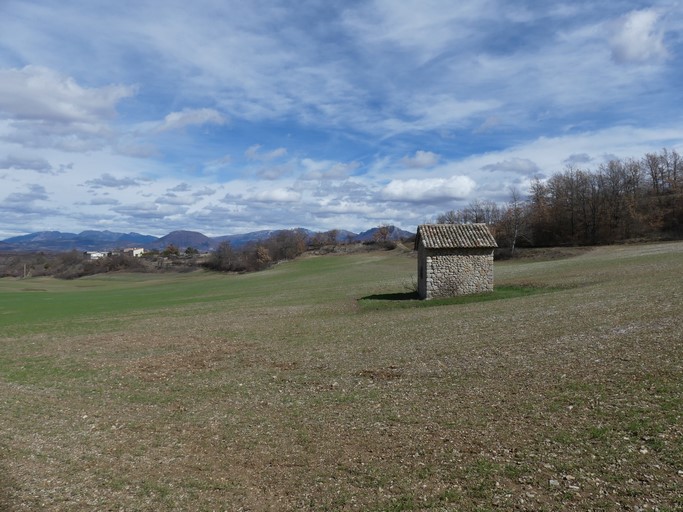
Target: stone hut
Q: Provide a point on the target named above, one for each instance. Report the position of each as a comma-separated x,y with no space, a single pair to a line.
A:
454,259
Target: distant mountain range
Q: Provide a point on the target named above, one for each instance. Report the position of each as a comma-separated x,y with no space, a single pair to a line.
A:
56,241
84,241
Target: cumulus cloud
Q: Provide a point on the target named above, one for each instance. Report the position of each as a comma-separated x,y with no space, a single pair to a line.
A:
273,172
191,117
637,38
76,138
150,210
577,159
136,149
277,195
522,166
346,207
45,108
327,170
35,193
180,187
109,181
103,201
421,160
351,190
426,190
174,199
203,192
36,93
30,164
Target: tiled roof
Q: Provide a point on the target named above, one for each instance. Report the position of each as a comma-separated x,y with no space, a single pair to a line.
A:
449,236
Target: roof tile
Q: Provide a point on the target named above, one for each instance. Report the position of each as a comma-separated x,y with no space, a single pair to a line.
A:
449,236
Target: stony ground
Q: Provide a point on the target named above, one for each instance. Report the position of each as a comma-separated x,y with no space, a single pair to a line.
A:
282,391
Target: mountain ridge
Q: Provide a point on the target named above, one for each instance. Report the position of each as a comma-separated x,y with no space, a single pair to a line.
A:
94,240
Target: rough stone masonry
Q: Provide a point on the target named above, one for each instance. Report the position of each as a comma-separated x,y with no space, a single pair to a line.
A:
454,260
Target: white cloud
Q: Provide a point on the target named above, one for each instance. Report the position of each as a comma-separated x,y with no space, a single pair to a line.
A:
326,169
36,93
149,210
174,199
46,108
218,164
489,123
103,201
346,207
273,172
254,153
578,159
430,189
32,164
191,117
277,195
35,193
424,28
637,39
204,192
522,166
421,160
180,187
434,111
109,181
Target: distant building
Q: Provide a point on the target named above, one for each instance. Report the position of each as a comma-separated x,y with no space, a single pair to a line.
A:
454,259
95,255
136,252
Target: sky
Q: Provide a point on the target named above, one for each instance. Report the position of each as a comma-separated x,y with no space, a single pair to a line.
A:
227,117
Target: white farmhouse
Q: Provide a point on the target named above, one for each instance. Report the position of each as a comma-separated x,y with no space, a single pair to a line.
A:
136,252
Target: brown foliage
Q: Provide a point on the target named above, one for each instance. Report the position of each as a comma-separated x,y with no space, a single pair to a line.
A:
621,200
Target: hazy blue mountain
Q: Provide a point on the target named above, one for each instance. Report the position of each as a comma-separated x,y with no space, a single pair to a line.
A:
93,240
42,241
41,236
104,236
56,241
136,239
344,235
237,241
184,239
394,234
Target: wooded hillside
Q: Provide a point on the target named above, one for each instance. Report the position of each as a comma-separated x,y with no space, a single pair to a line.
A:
620,200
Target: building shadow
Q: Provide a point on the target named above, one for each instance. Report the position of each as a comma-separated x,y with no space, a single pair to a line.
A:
393,296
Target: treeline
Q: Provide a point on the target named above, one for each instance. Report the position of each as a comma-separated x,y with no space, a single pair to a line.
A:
285,245
67,265
621,200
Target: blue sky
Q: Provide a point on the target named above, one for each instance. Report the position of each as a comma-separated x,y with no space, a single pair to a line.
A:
226,117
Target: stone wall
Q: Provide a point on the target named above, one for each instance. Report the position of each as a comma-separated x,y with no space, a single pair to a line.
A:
452,272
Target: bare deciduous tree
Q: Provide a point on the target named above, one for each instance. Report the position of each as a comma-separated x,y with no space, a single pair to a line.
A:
382,233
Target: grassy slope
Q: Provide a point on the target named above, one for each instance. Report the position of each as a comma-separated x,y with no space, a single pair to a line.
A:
281,391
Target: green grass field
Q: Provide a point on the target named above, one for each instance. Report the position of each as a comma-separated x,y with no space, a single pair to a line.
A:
321,384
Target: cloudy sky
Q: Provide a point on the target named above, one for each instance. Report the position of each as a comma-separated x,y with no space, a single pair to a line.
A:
229,116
